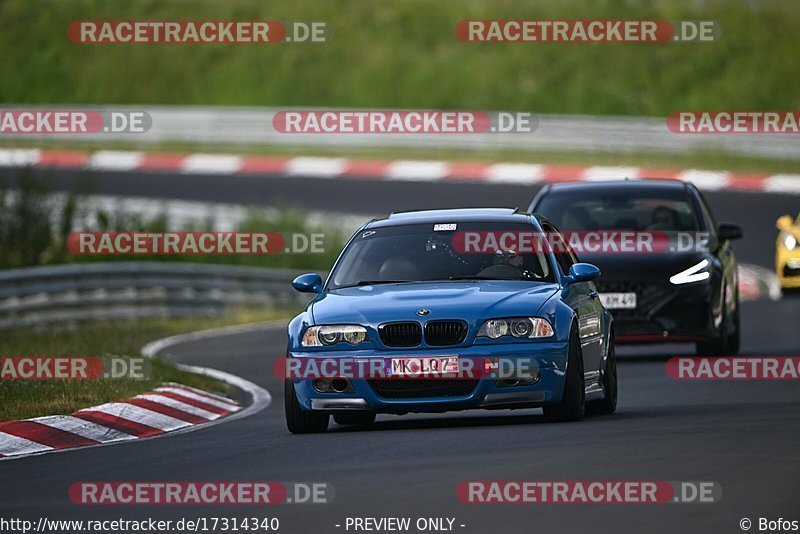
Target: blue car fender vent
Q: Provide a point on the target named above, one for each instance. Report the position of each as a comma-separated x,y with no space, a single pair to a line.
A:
443,333
401,334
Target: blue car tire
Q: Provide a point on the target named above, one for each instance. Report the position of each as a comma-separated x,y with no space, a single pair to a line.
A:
573,401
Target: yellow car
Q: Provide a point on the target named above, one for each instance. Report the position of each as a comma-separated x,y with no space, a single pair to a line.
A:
787,251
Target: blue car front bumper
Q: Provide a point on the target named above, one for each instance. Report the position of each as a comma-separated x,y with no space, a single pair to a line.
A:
550,358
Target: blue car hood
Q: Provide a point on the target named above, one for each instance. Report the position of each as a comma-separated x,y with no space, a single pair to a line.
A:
469,300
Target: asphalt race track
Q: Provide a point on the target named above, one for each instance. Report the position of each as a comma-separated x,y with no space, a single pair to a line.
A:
742,435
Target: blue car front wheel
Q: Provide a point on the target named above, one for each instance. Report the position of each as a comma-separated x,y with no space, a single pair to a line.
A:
298,420
573,401
607,404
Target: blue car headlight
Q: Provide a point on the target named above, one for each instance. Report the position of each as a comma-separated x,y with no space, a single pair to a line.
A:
325,336
518,327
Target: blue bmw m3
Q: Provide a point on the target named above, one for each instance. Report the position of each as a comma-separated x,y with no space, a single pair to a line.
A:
434,311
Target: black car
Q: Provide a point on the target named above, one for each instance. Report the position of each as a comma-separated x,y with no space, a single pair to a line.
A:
685,291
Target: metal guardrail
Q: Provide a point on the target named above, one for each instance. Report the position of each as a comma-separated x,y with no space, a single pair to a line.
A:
85,292
240,126
67,294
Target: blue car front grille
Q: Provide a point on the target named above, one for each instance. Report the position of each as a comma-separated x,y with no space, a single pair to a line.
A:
422,388
401,334
443,333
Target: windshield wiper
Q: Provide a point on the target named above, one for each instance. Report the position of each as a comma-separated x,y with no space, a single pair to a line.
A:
475,277
376,282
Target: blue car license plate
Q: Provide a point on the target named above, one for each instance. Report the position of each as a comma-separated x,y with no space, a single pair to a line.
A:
426,365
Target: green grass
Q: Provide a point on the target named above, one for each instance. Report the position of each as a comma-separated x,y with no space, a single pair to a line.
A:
405,54
22,399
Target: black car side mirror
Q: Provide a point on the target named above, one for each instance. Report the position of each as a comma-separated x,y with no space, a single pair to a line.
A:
729,231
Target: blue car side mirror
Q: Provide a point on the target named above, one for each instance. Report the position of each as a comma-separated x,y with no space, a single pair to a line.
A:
308,283
581,272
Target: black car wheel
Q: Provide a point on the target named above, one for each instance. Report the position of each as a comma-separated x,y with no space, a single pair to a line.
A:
735,337
607,404
298,420
573,401
716,346
354,418
726,341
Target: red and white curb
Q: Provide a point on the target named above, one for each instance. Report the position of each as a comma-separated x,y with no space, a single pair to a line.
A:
166,411
398,170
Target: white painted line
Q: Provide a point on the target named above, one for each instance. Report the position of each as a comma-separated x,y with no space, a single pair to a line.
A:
215,400
597,174
114,160
203,392
783,183
211,164
13,446
417,171
178,405
83,428
316,167
19,157
260,397
515,173
139,415
706,180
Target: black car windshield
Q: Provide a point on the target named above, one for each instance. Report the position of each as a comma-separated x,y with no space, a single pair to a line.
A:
442,252
593,209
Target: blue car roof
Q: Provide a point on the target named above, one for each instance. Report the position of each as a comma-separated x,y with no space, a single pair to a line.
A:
452,215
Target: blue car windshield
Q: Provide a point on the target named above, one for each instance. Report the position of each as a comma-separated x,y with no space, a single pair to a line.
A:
443,252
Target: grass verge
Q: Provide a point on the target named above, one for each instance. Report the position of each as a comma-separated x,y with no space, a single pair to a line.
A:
22,399
406,55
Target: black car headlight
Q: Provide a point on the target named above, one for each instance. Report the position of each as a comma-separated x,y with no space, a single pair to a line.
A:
325,336
518,327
